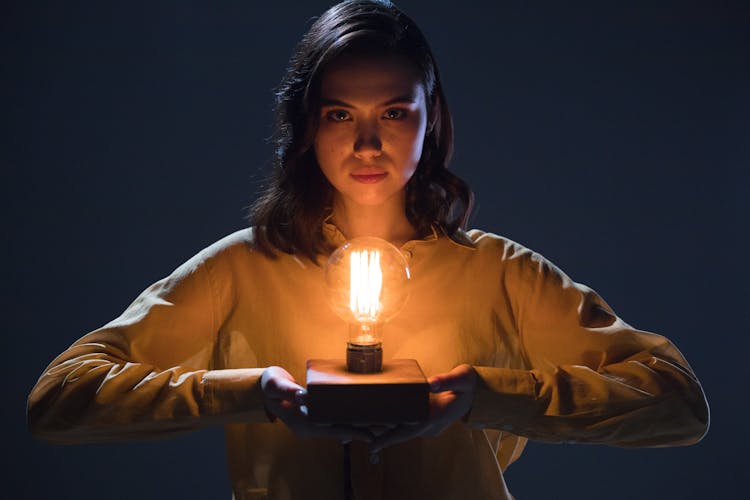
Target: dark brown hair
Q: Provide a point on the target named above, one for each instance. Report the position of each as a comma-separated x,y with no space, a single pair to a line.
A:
290,211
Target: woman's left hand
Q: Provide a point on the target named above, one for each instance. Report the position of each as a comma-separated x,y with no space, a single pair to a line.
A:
451,396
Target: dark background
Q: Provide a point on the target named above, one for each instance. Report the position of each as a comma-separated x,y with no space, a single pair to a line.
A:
610,136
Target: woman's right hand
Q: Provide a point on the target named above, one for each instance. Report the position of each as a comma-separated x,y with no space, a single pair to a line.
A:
286,400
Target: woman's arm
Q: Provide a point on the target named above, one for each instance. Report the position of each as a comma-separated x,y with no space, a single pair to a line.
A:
592,377
148,373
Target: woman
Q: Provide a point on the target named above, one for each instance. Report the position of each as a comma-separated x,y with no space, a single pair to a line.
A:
514,349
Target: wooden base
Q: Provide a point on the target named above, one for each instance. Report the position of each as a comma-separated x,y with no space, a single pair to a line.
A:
399,394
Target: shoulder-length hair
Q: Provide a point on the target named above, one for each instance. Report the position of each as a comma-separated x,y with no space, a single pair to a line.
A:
290,211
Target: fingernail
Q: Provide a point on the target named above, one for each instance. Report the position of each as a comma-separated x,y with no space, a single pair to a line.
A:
299,396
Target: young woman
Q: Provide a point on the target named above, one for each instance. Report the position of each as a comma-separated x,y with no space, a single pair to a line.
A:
513,348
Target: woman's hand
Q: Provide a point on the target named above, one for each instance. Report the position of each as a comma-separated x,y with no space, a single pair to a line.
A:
451,396
286,399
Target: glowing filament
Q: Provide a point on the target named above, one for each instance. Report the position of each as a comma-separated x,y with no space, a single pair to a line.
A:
366,281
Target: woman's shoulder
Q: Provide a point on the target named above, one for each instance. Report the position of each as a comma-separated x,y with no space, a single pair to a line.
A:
229,250
486,242
242,240
512,255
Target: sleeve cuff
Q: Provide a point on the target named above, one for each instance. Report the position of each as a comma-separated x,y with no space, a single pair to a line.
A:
503,397
234,395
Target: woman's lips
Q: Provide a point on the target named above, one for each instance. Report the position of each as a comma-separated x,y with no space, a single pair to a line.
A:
369,178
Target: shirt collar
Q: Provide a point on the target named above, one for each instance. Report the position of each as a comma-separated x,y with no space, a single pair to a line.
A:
333,235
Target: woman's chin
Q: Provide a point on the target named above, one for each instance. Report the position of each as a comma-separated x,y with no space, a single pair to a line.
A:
375,199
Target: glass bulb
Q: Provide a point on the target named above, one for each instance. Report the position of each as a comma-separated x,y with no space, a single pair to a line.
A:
367,280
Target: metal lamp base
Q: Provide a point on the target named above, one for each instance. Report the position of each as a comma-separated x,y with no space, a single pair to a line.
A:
364,358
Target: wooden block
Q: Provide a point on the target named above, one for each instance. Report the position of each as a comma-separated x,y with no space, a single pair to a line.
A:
399,394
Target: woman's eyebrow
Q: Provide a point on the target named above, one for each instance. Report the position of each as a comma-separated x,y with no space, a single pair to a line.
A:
403,99
334,102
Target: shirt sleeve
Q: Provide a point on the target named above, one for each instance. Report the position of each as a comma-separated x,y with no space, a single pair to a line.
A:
591,377
147,373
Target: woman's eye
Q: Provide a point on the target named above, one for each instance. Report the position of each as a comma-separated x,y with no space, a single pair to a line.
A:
395,114
337,115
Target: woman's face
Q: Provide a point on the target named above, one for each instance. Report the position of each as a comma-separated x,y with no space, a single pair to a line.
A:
371,130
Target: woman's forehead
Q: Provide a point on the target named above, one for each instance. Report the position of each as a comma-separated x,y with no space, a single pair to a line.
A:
371,78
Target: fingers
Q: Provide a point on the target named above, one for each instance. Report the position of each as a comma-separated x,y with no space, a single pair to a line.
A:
445,409
301,426
287,400
286,388
451,399
346,434
277,383
283,396
460,379
398,435
300,397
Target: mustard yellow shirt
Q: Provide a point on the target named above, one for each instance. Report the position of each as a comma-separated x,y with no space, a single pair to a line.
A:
554,362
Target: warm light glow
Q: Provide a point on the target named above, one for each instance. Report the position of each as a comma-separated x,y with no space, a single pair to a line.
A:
364,336
365,285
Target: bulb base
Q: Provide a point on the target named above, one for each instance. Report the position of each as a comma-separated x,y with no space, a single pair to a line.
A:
364,358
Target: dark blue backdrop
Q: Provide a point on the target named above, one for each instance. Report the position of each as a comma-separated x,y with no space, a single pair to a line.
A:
611,137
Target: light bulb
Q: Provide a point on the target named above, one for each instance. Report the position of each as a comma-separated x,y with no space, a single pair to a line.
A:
367,282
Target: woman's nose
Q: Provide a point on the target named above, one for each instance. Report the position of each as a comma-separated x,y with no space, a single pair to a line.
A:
367,144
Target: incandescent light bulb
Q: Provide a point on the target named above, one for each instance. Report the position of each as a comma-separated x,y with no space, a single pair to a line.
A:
367,282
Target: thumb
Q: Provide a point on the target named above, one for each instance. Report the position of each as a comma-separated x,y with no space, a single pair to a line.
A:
288,389
278,383
436,383
461,378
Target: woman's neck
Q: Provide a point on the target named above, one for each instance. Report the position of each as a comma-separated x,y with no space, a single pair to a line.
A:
388,222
